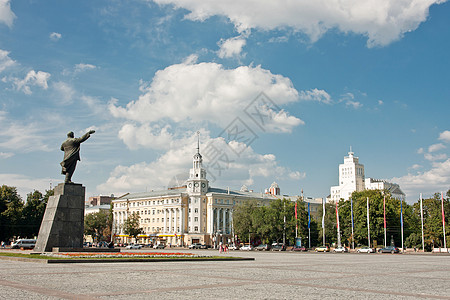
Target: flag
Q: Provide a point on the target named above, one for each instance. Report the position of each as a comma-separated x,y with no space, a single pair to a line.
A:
309,217
296,209
337,216
442,206
351,207
384,211
401,213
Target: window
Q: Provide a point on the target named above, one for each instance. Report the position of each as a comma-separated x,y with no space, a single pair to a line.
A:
196,210
196,228
196,219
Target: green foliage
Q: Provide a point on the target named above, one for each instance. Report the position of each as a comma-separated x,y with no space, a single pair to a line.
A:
132,226
96,225
11,206
33,212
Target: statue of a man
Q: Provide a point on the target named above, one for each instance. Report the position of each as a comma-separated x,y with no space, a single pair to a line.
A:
71,148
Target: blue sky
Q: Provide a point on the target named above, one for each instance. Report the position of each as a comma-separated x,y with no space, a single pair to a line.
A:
147,75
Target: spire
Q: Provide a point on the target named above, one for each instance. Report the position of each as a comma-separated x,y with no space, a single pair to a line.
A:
351,152
198,141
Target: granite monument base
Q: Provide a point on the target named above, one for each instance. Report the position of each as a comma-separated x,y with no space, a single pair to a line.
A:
63,222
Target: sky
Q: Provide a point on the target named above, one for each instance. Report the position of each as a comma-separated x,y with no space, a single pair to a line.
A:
273,90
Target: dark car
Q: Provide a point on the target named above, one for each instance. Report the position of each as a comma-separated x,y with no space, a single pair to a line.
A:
278,247
389,249
296,248
263,247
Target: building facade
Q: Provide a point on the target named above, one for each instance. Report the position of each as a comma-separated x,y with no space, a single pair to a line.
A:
351,179
181,216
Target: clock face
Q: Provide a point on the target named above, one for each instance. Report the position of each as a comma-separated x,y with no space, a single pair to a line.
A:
203,185
190,184
196,184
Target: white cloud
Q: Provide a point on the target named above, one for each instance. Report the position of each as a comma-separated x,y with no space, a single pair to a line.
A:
32,78
146,136
231,47
445,136
382,21
26,185
19,137
83,67
6,154
431,157
5,60
198,92
380,102
315,95
434,180
420,151
65,92
231,171
55,36
436,147
6,14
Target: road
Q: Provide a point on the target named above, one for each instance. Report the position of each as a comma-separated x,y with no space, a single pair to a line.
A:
272,275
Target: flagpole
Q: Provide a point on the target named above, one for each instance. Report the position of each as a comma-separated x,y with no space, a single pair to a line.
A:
421,218
401,219
384,217
351,207
443,219
337,226
323,220
368,223
309,227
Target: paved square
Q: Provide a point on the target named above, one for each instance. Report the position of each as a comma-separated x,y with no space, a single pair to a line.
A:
273,275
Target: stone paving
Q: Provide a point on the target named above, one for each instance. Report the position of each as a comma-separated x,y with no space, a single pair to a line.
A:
272,275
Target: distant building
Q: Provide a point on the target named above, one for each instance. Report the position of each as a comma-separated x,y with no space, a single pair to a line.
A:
99,200
392,188
192,213
274,189
351,179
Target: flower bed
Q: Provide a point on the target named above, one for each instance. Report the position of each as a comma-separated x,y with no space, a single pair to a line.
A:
123,255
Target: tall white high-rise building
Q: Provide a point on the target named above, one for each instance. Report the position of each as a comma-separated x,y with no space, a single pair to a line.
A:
351,178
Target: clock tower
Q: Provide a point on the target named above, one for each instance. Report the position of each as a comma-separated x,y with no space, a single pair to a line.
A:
197,183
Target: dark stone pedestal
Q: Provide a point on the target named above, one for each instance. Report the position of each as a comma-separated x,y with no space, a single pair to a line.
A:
63,222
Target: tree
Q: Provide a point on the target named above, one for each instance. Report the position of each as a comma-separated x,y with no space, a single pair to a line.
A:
243,219
95,225
33,212
11,205
132,226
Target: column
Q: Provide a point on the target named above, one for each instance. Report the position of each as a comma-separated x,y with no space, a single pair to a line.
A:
182,226
224,220
165,220
170,220
210,217
176,220
217,219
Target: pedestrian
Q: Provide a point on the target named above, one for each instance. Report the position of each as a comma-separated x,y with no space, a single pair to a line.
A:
3,244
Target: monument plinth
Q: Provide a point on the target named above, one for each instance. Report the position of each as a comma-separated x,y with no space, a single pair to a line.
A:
63,222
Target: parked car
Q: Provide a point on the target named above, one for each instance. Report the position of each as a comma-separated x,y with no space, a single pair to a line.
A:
23,244
134,246
278,247
246,248
340,249
233,247
322,249
195,246
159,246
366,250
263,247
389,249
296,248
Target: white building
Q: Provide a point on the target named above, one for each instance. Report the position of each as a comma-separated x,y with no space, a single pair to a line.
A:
192,213
392,188
351,178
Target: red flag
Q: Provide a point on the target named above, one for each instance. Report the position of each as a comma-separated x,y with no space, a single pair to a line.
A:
384,211
296,210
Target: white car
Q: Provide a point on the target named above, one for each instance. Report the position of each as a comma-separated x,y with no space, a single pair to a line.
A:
134,246
246,248
366,250
340,250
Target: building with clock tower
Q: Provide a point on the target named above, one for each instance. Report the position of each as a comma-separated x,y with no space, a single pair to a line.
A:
184,215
